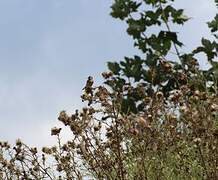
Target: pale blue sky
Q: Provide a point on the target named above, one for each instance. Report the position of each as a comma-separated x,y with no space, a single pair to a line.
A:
49,47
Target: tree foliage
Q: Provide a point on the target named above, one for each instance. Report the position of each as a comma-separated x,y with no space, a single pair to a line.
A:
153,118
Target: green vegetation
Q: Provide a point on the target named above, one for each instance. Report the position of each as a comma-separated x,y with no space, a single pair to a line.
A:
153,118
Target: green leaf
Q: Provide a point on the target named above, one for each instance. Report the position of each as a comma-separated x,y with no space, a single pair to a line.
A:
173,37
128,106
209,48
136,27
213,25
114,67
182,18
214,68
152,18
177,15
151,60
122,8
167,35
171,84
207,44
199,49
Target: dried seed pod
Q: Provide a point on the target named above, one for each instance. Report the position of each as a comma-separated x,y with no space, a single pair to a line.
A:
159,95
55,131
134,131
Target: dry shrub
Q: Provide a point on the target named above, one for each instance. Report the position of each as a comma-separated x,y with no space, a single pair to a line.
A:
151,119
174,137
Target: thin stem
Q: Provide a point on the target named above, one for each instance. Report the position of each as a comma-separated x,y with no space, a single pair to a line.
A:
119,155
203,162
168,28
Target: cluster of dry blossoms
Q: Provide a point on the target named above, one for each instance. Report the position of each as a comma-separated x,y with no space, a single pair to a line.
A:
170,137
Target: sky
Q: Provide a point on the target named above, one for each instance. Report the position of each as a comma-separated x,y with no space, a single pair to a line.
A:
48,48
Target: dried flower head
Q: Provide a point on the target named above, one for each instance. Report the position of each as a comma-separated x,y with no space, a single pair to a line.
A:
55,131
